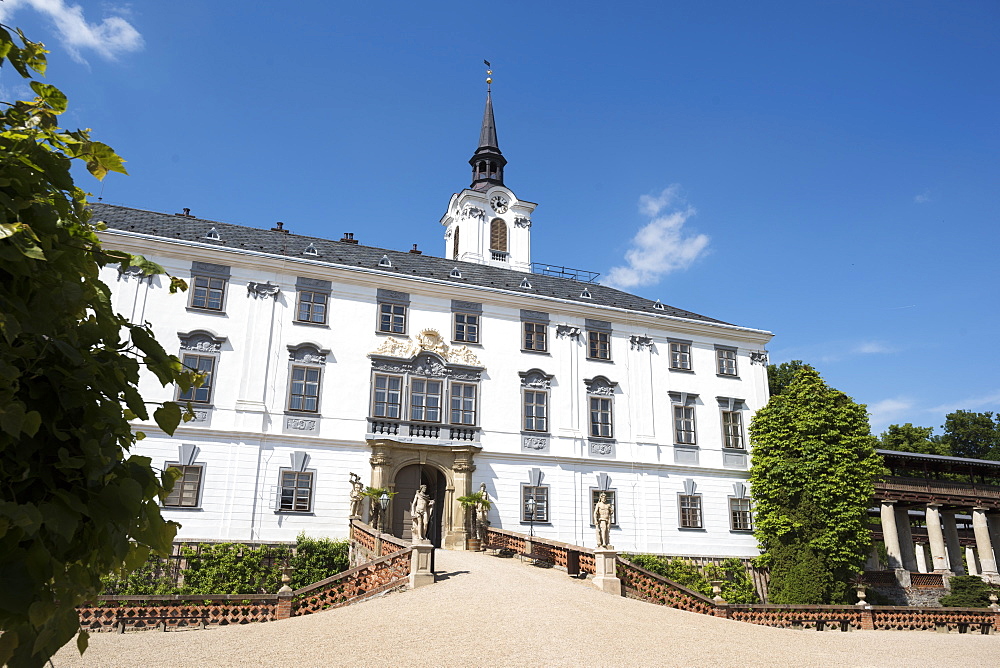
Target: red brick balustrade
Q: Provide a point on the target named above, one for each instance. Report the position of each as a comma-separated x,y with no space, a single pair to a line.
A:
145,612
172,612
356,584
644,585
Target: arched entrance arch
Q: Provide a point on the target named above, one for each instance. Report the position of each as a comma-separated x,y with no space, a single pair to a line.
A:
405,483
448,468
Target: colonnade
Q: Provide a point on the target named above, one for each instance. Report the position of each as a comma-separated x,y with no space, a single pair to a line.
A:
942,537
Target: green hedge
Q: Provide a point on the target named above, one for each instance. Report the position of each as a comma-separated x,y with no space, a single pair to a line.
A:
737,586
234,568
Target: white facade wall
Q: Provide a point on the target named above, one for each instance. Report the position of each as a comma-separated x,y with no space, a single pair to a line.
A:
243,443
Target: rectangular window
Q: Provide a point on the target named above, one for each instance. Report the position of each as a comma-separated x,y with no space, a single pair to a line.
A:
599,345
204,364
296,492
208,293
595,496
740,515
535,413
690,511
187,488
463,403
466,328
303,390
680,355
534,336
726,358
425,400
732,430
312,307
601,418
392,318
541,496
684,425
387,397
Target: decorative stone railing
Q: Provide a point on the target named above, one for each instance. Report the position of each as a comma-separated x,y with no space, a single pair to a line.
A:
429,430
639,583
387,568
922,489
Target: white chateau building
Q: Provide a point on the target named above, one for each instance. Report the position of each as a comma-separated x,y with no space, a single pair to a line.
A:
326,357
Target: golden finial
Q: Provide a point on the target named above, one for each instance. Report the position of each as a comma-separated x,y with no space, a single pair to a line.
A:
489,74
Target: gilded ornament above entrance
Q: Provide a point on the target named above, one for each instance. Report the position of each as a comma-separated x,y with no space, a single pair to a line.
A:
429,340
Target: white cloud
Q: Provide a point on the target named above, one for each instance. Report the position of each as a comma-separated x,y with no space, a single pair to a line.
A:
888,411
991,400
873,348
660,247
109,38
923,197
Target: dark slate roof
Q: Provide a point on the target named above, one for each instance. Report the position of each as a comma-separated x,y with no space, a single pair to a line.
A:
488,133
938,461
239,237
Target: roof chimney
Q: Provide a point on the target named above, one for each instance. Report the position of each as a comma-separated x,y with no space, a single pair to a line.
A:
187,213
348,238
280,227
415,251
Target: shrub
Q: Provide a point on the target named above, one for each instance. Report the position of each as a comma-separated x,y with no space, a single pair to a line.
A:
150,579
737,587
233,568
967,591
317,559
798,576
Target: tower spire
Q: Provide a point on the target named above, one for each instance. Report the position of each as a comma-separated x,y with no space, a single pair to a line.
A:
487,162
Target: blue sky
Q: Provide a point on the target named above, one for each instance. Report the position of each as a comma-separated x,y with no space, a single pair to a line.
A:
824,170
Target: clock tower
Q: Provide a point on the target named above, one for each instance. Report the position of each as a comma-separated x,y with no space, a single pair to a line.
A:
486,223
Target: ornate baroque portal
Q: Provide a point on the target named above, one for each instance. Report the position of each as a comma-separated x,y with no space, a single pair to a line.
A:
445,446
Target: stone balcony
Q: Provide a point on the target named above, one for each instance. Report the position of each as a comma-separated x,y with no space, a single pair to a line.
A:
421,431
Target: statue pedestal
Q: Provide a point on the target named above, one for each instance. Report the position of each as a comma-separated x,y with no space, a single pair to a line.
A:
421,565
605,572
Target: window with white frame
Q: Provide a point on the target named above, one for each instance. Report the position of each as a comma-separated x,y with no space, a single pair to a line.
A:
463,403
726,361
536,410
534,329
392,307
540,495
313,301
611,497
690,511
598,339
466,327
296,491
740,514
425,399
684,428
680,355
305,376
208,286
187,488
732,430
387,396
601,393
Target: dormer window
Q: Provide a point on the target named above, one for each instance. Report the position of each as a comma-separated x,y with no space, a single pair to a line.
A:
213,234
311,250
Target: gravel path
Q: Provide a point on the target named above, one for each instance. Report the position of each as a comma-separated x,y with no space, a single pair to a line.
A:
487,611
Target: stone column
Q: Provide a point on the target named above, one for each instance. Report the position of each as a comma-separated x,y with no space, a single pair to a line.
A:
906,539
890,535
456,533
984,546
951,540
970,560
921,553
939,559
606,572
993,520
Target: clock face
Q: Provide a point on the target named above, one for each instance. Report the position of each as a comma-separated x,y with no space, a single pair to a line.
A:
499,203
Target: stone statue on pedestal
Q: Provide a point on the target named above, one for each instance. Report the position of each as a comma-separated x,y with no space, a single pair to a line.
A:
603,512
482,514
420,514
357,487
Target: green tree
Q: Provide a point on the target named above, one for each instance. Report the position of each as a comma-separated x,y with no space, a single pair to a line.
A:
812,480
74,505
974,435
907,438
780,376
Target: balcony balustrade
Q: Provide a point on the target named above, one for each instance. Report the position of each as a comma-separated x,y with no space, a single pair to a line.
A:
427,430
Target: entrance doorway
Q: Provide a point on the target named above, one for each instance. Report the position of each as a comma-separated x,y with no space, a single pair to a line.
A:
408,480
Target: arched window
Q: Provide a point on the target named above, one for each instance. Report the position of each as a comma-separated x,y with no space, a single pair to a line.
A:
455,243
498,235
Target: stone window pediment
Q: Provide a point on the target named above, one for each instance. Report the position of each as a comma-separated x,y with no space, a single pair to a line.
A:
307,353
600,386
201,340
